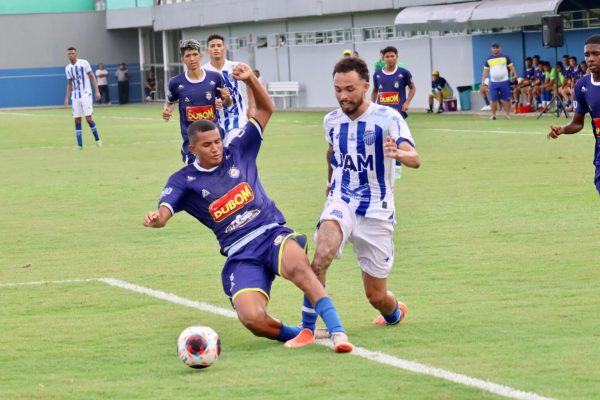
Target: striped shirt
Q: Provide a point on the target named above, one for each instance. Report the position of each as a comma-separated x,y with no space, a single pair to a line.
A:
78,74
362,176
234,116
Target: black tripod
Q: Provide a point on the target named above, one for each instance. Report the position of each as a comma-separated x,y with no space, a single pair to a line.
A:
556,99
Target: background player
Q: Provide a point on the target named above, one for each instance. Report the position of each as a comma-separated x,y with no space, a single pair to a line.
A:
587,100
390,83
364,140
236,116
222,190
197,91
79,75
497,66
440,90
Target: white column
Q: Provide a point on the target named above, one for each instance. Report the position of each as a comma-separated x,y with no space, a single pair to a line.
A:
141,46
165,49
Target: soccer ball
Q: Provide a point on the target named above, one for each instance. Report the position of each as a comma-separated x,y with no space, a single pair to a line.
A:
198,346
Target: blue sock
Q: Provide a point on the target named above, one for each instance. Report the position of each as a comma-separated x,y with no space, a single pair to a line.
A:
327,311
78,134
309,315
288,332
94,130
394,317
487,101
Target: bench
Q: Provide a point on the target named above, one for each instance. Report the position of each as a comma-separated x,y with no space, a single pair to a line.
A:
283,90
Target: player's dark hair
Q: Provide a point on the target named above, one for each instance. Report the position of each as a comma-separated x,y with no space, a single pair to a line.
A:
536,57
71,48
189,44
349,64
529,59
389,49
594,39
215,36
495,45
573,58
565,56
202,125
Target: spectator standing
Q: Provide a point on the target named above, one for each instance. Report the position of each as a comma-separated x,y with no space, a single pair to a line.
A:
122,76
102,79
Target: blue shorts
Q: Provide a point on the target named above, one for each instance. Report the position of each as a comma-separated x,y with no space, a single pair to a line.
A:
597,179
254,266
500,90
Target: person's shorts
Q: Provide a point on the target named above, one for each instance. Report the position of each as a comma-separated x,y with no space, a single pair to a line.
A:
255,265
371,238
597,179
500,91
83,106
446,92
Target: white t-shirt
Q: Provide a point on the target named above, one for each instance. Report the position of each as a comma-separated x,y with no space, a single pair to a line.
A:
78,74
102,77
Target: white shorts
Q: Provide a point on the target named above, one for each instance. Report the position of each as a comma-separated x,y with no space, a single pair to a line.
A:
371,238
82,107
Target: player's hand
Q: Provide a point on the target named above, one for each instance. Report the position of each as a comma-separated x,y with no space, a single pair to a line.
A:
166,115
555,131
151,219
241,72
390,148
219,104
225,94
405,106
98,96
66,103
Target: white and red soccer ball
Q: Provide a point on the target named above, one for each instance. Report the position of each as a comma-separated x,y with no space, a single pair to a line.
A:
198,346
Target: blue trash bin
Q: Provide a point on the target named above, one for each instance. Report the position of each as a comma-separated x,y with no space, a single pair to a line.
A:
464,94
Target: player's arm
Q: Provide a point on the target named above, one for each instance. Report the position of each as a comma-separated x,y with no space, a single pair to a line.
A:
251,105
574,126
412,89
264,105
512,69
225,96
158,218
484,75
374,94
95,83
69,90
329,169
403,152
167,110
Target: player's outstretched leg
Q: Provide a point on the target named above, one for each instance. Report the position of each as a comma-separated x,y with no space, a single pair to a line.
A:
295,267
251,308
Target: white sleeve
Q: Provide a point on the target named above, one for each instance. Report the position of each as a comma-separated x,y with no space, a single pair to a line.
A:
399,130
86,67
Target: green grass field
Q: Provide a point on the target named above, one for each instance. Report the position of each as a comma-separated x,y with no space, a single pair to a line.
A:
496,257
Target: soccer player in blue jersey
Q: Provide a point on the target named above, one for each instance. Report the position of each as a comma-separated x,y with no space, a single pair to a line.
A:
390,83
80,80
236,116
498,65
198,93
365,140
222,190
587,100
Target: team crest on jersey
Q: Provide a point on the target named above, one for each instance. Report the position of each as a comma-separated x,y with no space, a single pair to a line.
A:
208,95
396,84
231,202
278,239
234,172
212,83
369,137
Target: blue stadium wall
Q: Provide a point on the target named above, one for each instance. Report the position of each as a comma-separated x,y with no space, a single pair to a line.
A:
518,45
38,87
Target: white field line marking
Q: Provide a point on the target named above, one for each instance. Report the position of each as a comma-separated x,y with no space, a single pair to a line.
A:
376,356
18,114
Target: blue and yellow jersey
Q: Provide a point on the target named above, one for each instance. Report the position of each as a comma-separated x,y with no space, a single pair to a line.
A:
498,67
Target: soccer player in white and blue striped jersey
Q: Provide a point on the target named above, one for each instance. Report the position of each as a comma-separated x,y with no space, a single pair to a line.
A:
80,80
234,117
365,140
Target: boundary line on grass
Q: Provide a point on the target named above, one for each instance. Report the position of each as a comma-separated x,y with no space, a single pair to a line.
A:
379,357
